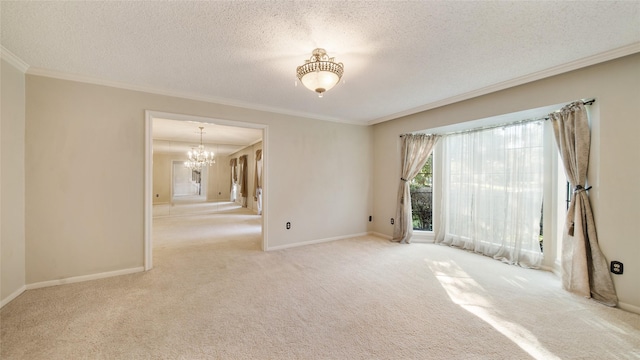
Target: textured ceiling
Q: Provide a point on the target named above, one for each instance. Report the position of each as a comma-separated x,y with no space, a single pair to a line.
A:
399,57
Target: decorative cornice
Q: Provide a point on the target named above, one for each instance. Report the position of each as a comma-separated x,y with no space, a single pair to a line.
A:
12,59
189,96
556,70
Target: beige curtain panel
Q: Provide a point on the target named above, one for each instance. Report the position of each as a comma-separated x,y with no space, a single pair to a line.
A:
243,181
257,181
585,269
414,154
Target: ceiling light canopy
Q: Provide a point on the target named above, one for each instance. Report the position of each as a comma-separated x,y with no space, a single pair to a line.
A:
320,73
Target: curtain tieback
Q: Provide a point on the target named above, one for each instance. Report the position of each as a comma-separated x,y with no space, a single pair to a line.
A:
403,179
580,188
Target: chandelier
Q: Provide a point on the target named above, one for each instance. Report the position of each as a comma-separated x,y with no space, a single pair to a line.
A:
199,158
320,73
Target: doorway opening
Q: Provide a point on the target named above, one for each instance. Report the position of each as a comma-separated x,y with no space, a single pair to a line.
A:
173,189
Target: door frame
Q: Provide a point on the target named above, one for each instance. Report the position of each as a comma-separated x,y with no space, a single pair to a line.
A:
148,172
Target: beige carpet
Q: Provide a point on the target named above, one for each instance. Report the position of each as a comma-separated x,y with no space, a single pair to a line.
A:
220,297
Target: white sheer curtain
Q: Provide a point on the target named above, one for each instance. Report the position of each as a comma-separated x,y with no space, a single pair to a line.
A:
492,192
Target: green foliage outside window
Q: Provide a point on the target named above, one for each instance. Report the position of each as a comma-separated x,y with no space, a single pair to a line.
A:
421,189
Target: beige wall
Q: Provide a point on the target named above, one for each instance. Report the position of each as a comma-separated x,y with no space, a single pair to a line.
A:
219,180
616,199
162,178
85,189
12,176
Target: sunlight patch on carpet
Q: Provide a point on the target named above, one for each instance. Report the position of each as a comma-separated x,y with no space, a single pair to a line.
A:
464,291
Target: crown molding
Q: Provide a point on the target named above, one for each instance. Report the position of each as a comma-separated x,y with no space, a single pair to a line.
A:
183,95
12,59
556,70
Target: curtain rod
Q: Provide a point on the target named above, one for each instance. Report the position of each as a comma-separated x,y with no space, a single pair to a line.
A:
585,102
513,123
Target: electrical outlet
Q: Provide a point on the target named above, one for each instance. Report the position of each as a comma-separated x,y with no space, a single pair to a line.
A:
370,218
392,221
288,225
617,267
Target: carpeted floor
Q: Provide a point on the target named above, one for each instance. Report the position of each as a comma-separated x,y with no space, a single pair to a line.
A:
213,296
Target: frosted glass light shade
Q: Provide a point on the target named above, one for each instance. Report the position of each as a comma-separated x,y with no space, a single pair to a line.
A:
320,81
320,73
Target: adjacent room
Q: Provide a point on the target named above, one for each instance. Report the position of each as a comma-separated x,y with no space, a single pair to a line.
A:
319,180
204,173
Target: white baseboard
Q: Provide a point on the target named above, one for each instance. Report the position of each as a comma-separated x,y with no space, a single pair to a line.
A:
422,241
380,235
416,238
219,200
82,278
629,307
311,242
14,295
624,306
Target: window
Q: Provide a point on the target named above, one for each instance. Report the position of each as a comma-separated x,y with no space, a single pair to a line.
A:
555,189
493,186
421,189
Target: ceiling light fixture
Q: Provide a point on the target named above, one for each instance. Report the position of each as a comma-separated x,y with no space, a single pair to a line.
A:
199,158
320,73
